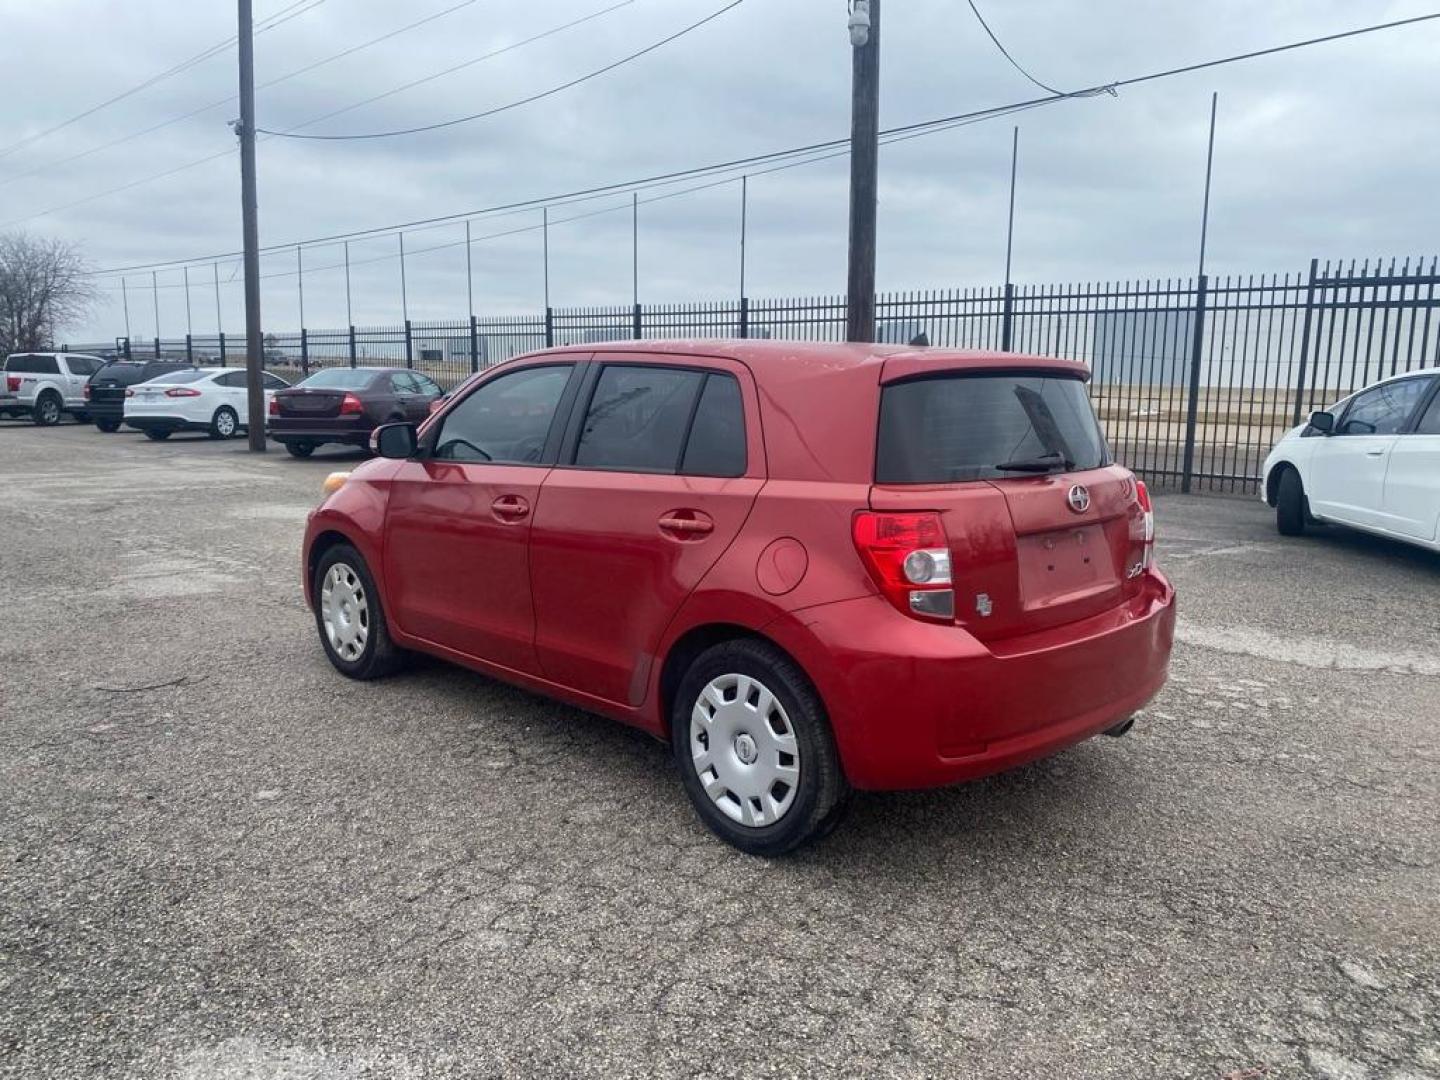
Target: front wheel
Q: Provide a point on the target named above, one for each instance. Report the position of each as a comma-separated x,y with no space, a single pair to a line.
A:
157,434
1291,509
349,617
754,749
224,424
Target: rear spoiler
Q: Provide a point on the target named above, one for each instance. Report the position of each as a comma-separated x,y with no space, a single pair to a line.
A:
918,365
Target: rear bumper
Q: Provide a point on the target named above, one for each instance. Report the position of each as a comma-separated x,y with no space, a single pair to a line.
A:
919,705
349,432
165,423
9,403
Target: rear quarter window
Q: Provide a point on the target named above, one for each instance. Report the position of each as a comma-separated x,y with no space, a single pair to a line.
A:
951,428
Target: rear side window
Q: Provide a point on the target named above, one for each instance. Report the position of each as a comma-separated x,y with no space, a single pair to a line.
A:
638,418
180,377
505,421
32,363
717,437
231,379
966,427
82,365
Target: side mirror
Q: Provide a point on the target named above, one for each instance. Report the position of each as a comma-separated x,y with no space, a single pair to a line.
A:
394,440
1323,422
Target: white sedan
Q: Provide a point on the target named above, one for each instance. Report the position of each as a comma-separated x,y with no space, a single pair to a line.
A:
200,399
1371,461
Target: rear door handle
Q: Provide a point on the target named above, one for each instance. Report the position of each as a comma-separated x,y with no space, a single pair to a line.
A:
686,524
510,509
1374,453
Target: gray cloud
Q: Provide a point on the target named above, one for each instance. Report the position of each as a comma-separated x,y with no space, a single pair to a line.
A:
1327,151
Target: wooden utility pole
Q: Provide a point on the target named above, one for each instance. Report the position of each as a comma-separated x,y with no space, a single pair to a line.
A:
864,167
249,212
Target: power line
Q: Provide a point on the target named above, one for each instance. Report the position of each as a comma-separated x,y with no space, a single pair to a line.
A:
1006,52
461,66
282,16
227,100
201,161
523,101
937,124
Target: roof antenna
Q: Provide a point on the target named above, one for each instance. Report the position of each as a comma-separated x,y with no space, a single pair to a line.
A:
921,339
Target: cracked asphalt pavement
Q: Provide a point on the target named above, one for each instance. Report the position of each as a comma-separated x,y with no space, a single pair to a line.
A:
220,860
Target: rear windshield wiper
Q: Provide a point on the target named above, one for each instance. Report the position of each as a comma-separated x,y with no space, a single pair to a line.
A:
1043,463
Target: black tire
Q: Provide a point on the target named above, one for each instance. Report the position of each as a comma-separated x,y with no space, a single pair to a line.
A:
300,449
109,427
821,794
48,409
1291,507
81,417
157,434
224,424
379,656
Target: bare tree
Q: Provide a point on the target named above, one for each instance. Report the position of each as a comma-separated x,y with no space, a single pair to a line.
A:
43,289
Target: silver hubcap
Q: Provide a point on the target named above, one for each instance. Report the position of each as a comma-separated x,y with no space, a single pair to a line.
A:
744,750
225,424
345,611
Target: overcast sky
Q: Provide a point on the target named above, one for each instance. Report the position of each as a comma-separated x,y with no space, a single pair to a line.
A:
1328,151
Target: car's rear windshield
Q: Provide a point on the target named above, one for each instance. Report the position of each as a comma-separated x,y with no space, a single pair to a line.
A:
339,379
123,372
943,429
178,377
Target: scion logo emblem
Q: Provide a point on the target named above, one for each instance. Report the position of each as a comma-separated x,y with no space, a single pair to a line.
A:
1079,499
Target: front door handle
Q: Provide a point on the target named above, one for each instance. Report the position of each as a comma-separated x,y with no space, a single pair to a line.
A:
686,524
1375,453
510,509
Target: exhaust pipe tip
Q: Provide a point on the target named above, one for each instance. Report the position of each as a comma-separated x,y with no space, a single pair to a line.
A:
1122,728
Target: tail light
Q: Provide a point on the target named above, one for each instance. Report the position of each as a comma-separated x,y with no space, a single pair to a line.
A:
350,405
12,383
85,393
129,392
274,408
907,556
1147,508
182,391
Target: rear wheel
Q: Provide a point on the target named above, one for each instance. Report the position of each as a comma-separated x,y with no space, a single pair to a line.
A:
108,426
300,449
754,749
48,407
225,423
349,617
1291,507
157,434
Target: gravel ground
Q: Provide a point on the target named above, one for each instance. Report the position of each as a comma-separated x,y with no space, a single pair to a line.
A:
218,859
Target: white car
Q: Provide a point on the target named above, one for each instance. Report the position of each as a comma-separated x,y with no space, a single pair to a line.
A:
46,386
1371,461
200,399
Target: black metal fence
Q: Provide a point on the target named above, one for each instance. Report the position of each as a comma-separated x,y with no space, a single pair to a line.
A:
1194,379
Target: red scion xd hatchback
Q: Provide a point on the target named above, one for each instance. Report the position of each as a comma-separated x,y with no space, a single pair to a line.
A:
812,568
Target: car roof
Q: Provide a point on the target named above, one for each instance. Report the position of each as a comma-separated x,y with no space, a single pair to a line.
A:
1412,374
819,401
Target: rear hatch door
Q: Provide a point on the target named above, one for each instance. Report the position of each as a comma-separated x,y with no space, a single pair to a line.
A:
1043,530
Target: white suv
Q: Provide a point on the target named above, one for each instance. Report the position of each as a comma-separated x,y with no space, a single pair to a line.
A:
48,385
1371,461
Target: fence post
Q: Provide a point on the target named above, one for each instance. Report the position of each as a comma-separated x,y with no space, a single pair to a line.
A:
157,348
1305,339
1008,317
352,345
222,349
744,317
127,350
189,350
409,346
549,328
637,322
1192,408
474,346
304,353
